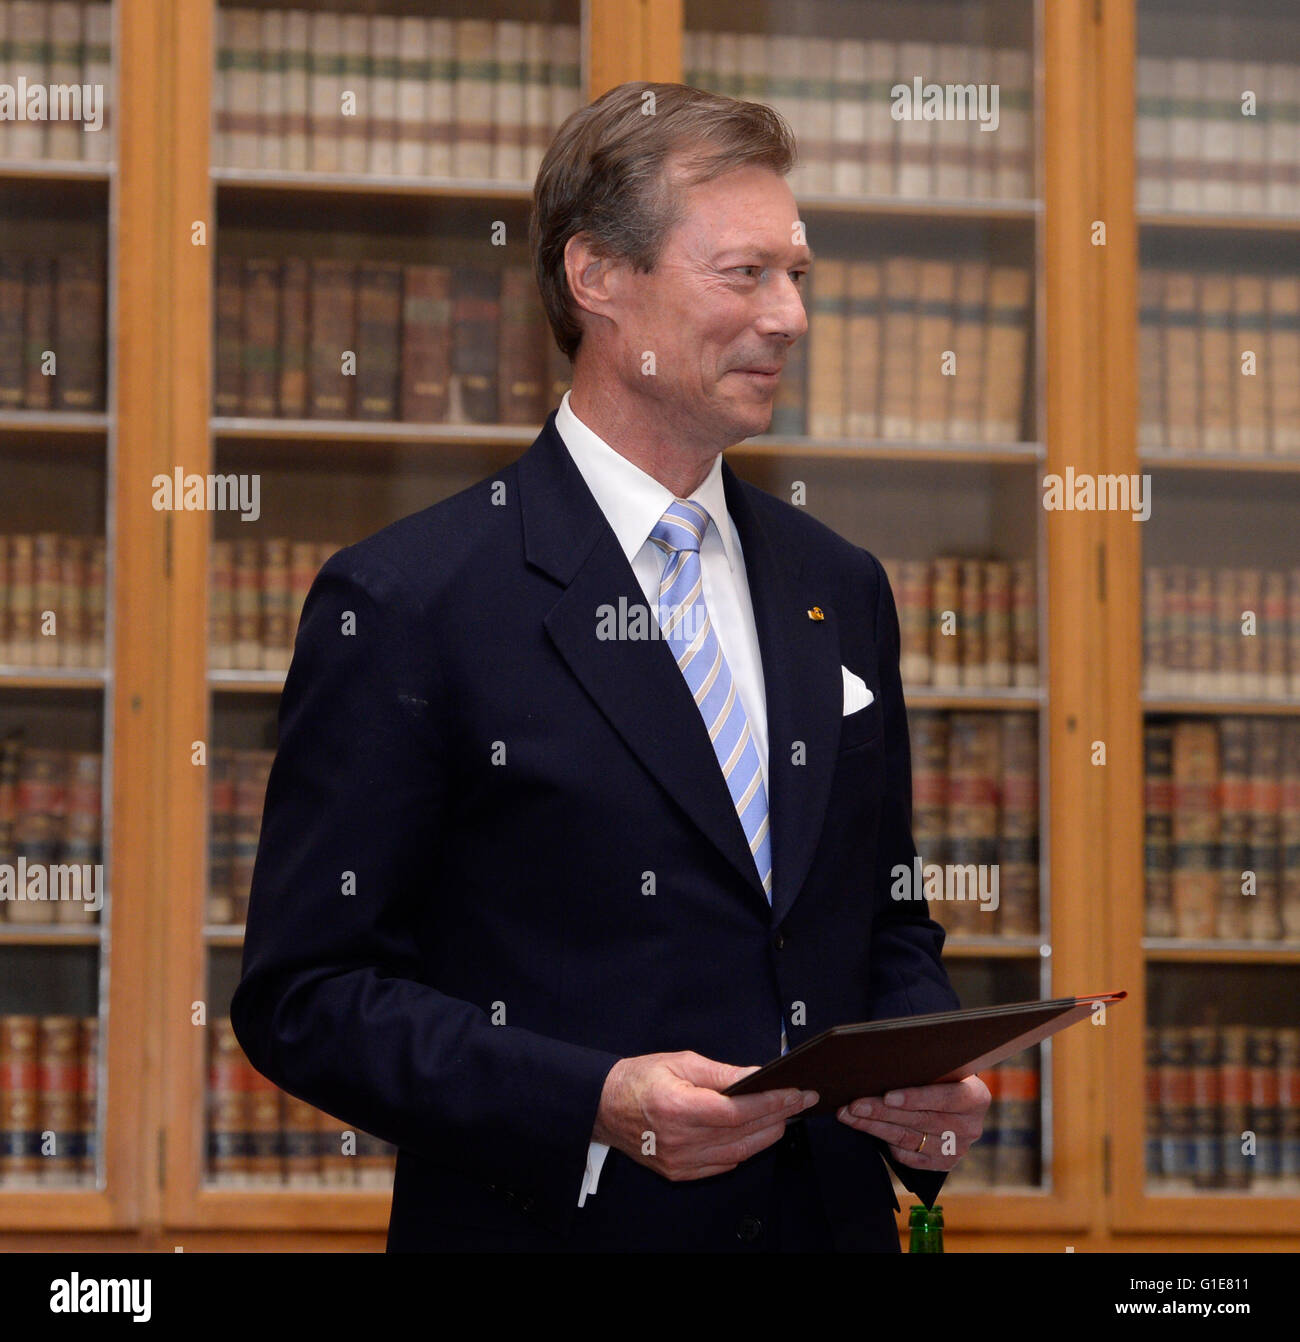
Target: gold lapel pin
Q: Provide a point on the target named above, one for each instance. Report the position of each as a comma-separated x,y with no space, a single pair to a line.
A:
816,613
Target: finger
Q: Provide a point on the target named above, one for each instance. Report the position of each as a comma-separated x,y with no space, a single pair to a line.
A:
709,1109
742,1148
910,1138
947,1097
927,1120
922,1160
708,1072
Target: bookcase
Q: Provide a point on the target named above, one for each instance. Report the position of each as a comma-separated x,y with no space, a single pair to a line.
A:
254,220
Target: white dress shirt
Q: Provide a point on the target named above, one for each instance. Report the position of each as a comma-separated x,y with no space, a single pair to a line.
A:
633,503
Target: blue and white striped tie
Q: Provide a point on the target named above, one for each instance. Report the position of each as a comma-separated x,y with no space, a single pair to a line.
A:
688,631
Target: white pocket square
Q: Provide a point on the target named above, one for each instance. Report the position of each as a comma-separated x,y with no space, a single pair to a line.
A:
856,694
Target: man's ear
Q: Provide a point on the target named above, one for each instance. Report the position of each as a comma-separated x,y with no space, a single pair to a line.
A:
592,277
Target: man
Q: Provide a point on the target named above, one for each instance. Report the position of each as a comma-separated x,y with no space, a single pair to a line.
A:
532,890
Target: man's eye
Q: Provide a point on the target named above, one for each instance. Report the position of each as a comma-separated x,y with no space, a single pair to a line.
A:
740,270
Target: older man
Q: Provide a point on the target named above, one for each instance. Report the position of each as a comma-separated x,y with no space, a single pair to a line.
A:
536,881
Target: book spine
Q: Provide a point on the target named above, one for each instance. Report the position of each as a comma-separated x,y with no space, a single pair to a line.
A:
227,1107
260,328
379,316
1158,742
19,1099
426,344
221,835
57,1083
1018,846
333,308
476,314
88,1114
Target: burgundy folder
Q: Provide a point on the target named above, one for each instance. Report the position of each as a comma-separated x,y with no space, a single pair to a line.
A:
850,1062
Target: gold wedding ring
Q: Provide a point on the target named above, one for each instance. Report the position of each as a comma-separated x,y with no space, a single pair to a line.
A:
924,1138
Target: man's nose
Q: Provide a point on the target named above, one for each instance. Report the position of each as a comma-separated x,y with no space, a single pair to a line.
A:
784,312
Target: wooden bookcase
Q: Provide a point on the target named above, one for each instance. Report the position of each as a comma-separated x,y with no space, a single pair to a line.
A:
337,482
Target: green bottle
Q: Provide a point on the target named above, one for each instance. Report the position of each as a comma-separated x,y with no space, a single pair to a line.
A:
927,1229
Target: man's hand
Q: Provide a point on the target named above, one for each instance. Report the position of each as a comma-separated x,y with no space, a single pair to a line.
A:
922,1117
665,1111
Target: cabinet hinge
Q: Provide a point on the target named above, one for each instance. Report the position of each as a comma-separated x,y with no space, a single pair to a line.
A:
167,543
1105,1163
162,1156
1101,571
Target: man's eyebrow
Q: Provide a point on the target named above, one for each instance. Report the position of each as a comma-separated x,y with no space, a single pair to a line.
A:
762,253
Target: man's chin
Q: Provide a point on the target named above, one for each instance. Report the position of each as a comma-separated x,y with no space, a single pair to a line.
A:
752,420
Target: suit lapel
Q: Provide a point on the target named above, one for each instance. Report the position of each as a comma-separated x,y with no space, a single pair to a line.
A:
805,693
636,683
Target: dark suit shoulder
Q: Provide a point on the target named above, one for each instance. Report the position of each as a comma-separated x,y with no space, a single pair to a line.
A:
428,550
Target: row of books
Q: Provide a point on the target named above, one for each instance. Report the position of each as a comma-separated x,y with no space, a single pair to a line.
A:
969,623
910,347
50,817
1222,851
1007,1154
1223,1107
332,339
1226,632
1219,354
57,42
52,591
838,94
49,1080
51,331
236,794
258,1134
975,821
1219,135
318,91
258,591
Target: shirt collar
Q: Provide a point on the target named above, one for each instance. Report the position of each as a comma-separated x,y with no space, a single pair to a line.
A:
633,501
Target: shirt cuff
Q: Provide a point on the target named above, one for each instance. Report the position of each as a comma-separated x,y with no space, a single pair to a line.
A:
596,1153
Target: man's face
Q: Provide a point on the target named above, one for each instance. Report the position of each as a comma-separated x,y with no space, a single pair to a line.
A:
719,311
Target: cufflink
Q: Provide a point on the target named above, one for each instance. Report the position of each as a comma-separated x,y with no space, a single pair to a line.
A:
816,614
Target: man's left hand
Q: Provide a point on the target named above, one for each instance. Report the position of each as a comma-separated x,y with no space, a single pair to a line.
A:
927,1127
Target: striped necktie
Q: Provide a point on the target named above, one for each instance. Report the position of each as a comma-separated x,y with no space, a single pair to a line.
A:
688,631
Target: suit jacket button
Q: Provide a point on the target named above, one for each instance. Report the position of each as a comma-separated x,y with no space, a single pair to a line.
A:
528,1204
749,1229
779,941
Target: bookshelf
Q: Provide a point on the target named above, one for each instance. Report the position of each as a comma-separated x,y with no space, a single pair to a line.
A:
1208,266
1072,95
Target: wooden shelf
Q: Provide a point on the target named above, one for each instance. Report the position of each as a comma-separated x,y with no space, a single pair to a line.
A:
1169,950
273,180
54,170
994,948
52,678
1198,221
56,934
928,696
1220,461
1161,703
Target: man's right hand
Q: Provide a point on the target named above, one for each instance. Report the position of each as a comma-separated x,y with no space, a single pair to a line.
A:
664,1110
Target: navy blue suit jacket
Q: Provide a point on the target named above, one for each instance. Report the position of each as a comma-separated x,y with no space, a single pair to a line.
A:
501,786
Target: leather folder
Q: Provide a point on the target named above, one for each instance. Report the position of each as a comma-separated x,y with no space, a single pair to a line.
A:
850,1062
